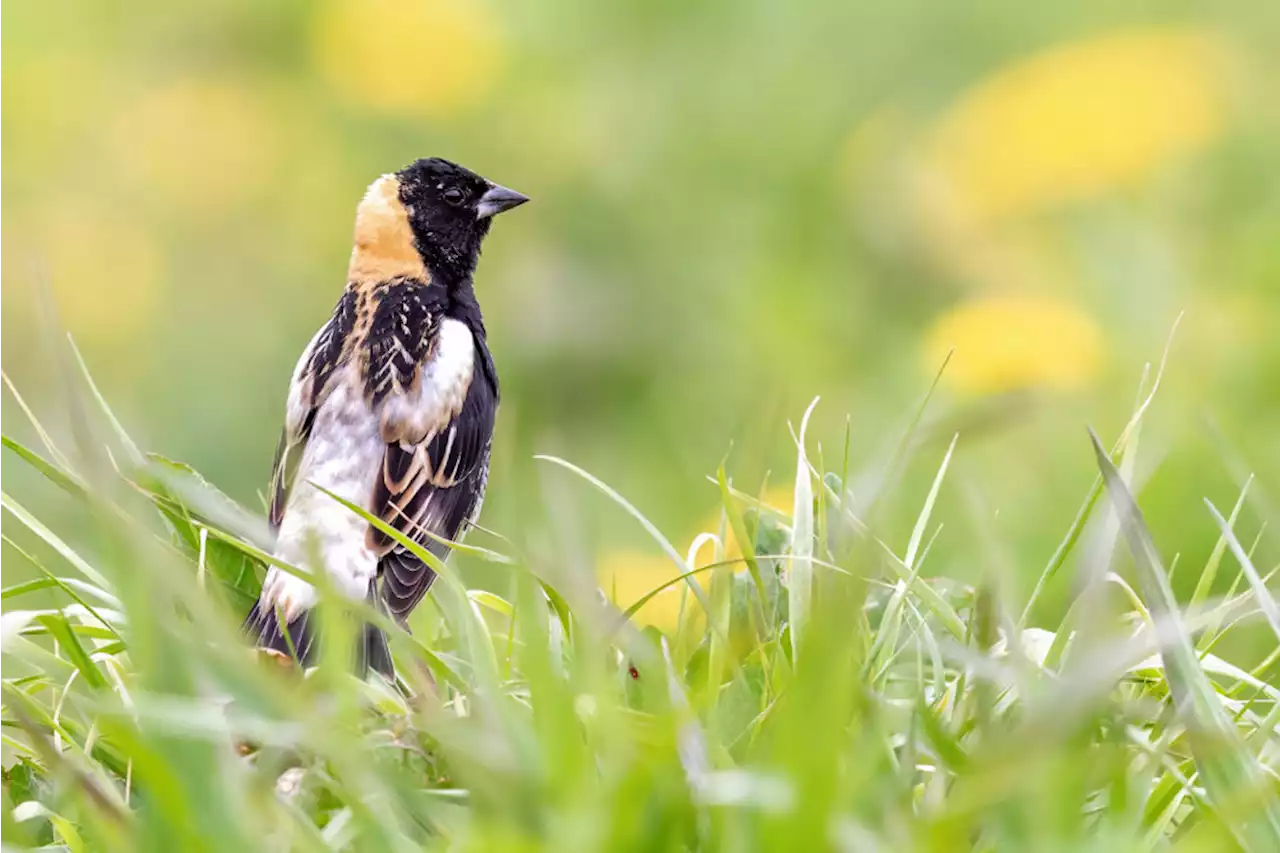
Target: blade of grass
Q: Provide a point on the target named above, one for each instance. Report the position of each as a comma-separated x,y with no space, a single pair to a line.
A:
1068,542
922,520
66,587
1205,584
746,541
1265,600
800,566
135,455
61,630
1229,771
52,472
45,438
53,540
648,526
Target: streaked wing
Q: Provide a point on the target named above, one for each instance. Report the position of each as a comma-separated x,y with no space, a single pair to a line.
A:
436,460
435,486
307,390
283,470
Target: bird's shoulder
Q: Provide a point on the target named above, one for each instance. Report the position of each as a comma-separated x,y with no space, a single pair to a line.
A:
401,322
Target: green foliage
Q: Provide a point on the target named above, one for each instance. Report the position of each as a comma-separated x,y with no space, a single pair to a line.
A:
884,708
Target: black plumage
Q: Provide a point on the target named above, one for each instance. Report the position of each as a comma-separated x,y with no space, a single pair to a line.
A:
406,317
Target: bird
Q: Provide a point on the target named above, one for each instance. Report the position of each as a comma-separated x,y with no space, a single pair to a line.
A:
391,406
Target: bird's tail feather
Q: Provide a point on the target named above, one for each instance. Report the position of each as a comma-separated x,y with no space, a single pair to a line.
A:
372,649
298,639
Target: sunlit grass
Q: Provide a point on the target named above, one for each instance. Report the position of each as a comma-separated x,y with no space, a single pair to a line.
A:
823,690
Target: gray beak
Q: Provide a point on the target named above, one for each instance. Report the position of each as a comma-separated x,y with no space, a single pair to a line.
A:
498,199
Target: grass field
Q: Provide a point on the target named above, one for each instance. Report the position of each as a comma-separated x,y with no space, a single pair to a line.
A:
823,690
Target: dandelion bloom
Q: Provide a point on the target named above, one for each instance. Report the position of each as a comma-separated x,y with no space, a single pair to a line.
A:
1006,343
1078,119
409,57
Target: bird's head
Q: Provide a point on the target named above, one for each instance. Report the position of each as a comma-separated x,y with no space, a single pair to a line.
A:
431,213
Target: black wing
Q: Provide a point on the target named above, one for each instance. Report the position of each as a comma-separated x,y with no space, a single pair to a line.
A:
431,487
433,480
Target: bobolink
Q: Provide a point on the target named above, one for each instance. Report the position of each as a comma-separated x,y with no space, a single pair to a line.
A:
391,406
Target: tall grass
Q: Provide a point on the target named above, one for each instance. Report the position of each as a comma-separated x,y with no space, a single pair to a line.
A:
823,691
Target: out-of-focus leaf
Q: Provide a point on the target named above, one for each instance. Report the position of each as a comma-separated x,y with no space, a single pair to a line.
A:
232,566
62,631
56,475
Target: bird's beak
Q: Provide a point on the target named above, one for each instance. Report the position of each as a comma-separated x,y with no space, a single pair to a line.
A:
497,199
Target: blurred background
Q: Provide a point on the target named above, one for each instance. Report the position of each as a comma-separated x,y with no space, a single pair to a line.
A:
738,206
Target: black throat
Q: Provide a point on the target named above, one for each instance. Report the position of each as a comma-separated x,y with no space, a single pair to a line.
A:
450,248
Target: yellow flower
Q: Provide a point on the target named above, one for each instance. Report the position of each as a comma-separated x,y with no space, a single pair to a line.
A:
625,576
407,56
1006,343
55,112
1079,119
204,146
105,268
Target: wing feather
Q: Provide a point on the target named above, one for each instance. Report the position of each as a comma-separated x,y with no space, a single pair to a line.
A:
432,485
435,464
441,497
307,389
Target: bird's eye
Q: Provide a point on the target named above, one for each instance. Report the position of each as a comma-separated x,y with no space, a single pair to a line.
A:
453,195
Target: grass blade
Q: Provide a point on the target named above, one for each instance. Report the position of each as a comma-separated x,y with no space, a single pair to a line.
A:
1231,775
800,565
1265,600
61,630
52,472
649,527
53,540
135,455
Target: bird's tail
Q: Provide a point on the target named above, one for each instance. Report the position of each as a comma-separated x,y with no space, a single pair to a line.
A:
297,640
372,648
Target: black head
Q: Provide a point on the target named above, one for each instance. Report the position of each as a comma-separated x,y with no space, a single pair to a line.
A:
450,209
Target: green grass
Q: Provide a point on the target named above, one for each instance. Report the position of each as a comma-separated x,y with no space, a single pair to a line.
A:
827,691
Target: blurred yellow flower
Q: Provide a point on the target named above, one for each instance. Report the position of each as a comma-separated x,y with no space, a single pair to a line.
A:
625,576
204,146
105,268
1079,119
56,110
1007,343
407,56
